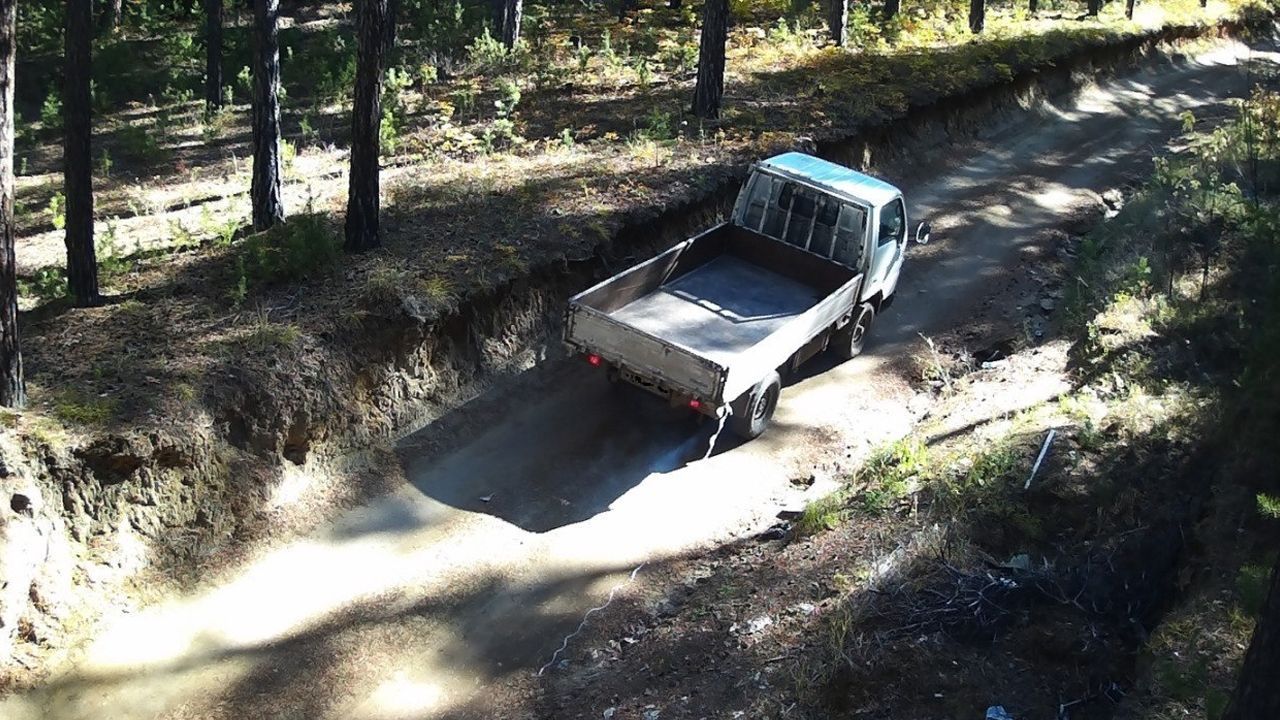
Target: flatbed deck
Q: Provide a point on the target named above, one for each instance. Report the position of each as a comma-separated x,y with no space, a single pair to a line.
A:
720,309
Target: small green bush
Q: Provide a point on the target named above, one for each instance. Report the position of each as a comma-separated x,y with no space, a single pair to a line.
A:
58,211
487,53
75,407
301,248
51,110
139,142
48,284
112,263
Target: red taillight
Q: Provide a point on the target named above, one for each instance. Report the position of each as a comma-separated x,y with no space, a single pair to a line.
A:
594,359
695,403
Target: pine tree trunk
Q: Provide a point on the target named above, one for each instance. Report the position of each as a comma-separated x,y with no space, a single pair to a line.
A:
12,392
213,54
1033,6
268,208
1257,694
709,91
366,118
498,8
675,4
891,9
977,16
838,21
513,13
1095,7
111,15
1128,9
82,266
393,16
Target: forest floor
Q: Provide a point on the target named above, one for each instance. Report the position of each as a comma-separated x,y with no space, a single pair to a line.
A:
494,166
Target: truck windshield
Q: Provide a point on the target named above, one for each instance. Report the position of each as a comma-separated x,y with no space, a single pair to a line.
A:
787,211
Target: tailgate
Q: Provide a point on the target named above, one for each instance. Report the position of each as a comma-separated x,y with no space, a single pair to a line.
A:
590,330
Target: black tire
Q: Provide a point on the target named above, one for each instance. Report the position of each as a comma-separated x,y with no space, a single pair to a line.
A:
752,412
848,341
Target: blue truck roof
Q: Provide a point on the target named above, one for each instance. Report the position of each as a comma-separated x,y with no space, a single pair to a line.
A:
831,176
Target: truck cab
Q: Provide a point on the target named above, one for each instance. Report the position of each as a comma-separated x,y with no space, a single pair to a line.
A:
827,209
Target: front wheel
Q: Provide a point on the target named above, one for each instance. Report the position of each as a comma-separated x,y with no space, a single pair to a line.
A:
848,341
751,413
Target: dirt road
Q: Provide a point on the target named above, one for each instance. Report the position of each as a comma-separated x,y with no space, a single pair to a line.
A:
552,494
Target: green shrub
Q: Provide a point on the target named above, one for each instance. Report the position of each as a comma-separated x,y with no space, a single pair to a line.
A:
51,110
487,53
658,125
58,211
682,59
48,284
508,97
300,248
76,407
112,263
139,142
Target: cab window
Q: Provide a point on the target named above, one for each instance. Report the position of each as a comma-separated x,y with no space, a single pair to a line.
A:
806,218
848,238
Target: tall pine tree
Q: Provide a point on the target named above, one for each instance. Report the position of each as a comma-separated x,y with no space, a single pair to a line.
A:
366,117
12,391
82,264
838,21
265,191
977,16
708,94
213,54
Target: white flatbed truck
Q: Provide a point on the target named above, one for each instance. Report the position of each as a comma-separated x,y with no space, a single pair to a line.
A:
810,255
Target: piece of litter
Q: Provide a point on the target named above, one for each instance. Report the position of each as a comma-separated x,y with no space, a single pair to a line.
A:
1044,450
1021,561
997,712
486,498
609,713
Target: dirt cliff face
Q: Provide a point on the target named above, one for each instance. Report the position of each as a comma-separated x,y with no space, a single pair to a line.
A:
35,552
178,489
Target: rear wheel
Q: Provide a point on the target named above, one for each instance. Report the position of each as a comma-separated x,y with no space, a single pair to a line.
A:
848,341
752,412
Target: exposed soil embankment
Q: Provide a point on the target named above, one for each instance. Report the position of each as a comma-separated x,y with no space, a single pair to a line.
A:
85,509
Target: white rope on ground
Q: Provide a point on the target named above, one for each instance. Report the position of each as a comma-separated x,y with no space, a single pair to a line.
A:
565,645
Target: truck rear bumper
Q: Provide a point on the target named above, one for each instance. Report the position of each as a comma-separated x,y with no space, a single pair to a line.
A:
619,373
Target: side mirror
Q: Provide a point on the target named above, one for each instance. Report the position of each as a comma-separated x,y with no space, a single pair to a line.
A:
922,233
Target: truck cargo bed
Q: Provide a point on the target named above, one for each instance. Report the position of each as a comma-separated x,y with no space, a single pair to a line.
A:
720,309
712,316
